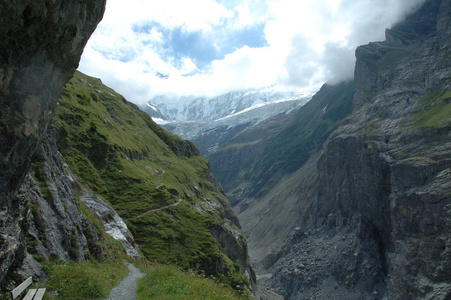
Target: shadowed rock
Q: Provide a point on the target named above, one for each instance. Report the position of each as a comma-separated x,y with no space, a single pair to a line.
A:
40,47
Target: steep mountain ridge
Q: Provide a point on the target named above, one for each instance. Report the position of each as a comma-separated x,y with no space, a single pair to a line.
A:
380,217
156,181
103,155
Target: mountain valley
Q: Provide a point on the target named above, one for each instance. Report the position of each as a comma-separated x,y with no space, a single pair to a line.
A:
341,193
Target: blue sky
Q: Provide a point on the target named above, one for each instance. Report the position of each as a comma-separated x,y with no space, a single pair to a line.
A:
205,47
202,48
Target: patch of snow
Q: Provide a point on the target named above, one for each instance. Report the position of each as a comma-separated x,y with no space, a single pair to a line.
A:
160,121
152,107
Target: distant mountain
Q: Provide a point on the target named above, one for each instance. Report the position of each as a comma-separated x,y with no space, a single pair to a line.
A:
210,122
253,161
193,108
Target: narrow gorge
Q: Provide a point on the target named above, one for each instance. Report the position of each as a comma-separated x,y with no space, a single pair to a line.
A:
362,210
344,193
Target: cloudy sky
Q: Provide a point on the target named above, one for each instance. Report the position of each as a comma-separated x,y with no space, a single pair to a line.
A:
144,48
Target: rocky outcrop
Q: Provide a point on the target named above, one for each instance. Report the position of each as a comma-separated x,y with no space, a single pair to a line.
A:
56,225
112,223
40,47
379,225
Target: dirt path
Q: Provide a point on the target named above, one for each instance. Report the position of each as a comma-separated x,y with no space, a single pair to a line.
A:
126,290
161,208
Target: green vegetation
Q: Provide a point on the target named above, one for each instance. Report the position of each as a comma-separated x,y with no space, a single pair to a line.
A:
239,146
168,282
434,110
152,178
83,280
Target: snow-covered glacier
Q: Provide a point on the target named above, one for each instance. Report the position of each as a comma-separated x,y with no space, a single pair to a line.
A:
223,116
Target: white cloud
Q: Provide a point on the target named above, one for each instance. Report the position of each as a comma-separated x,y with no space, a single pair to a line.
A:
194,14
308,42
322,35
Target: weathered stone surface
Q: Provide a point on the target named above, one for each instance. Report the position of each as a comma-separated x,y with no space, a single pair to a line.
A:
112,223
53,225
40,47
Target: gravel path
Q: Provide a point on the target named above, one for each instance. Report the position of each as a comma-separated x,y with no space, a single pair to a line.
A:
126,290
161,208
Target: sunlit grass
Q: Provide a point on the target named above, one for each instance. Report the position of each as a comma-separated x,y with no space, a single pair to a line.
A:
140,169
83,280
169,282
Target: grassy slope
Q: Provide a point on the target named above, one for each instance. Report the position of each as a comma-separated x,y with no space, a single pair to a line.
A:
434,110
169,282
286,151
83,280
141,169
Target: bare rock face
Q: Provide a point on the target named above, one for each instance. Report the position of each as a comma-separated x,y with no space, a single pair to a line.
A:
40,46
112,223
54,225
63,220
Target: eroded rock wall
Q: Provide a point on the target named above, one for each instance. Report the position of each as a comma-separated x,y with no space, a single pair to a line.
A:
382,213
54,224
40,46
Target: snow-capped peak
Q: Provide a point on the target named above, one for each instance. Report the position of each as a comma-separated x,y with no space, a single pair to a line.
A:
192,108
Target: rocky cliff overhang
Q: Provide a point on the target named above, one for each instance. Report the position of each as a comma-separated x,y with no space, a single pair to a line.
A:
40,47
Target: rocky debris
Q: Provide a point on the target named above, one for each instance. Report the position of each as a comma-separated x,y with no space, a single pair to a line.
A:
40,47
261,292
341,263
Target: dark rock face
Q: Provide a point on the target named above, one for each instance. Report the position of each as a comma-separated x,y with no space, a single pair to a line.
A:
379,226
40,47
